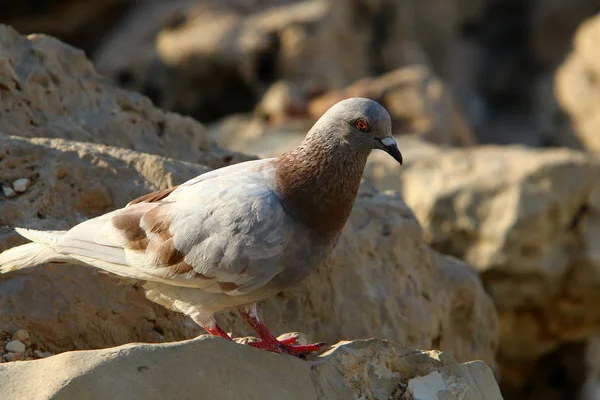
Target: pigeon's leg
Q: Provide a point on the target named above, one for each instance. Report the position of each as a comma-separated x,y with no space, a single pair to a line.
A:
211,326
269,341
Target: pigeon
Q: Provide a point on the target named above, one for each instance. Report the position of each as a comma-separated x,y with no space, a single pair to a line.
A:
234,236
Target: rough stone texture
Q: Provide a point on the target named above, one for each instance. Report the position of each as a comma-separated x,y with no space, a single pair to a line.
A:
577,85
50,89
203,368
382,280
528,221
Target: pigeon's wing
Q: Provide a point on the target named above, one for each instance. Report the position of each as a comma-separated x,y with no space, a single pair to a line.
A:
224,234
231,169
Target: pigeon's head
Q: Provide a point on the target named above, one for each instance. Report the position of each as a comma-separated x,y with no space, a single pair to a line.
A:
363,124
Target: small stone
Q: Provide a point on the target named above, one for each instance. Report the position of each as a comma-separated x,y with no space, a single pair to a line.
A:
21,335
38,353
13,357
47,354
8,191
15,346
21,185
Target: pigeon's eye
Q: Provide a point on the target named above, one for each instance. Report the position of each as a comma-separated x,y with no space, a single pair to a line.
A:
361,125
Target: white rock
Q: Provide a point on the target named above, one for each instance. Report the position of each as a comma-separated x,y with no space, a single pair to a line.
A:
8,191
21,335
21,185
15,346
427,387
38,353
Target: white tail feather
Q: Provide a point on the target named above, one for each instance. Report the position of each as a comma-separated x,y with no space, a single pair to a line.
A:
32,254
29,255
49,238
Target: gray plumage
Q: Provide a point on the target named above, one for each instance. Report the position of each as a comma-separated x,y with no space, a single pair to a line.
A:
234,236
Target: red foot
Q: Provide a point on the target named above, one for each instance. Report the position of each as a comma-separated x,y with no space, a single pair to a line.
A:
289,341
283,347
269,341
216,331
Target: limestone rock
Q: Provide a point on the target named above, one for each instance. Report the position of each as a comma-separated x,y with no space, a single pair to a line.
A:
382,280
50,89
203,368
528,221
576,85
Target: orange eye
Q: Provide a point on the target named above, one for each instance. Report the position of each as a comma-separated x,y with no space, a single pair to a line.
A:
361,125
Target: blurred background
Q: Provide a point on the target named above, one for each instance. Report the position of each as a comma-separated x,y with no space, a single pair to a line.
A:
464,80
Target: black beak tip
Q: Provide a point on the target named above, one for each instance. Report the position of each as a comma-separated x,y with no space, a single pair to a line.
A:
395,153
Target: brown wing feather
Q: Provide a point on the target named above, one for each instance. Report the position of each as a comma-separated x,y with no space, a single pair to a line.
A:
153,197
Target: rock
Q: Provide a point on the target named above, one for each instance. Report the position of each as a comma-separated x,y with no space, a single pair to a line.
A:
8,191
20,185
577,88
50,89
282,102
21,335
13,357
15,346
217,46
372,369
255,135
528,221
382,280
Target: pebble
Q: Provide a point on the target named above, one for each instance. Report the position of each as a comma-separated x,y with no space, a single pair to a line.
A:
13,357
42,354
8,191
21,335
15,346
21,185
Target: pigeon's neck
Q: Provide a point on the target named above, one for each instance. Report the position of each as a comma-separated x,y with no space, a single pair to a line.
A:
318,183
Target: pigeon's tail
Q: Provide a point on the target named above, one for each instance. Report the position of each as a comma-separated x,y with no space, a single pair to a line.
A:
31,254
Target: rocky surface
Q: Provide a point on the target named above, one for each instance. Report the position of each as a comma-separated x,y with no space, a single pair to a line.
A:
382,269
51,90
371,369
527,220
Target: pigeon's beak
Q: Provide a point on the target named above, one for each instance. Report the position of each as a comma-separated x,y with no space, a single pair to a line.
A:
390,146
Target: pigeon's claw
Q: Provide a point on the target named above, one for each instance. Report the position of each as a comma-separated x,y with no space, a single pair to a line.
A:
270,343
296,350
